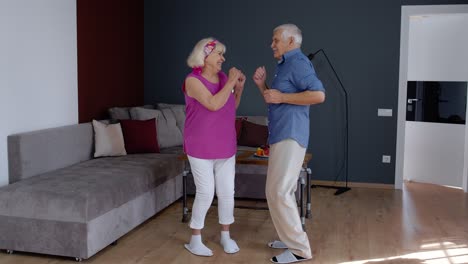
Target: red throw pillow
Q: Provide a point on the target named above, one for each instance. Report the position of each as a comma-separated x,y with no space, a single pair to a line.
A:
253,135
140,136
239,121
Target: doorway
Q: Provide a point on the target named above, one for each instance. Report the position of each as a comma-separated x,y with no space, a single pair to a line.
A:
432,49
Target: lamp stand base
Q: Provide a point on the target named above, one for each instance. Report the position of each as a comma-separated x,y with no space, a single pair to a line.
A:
339,190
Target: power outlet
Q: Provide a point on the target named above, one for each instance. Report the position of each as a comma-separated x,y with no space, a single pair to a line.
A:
386,158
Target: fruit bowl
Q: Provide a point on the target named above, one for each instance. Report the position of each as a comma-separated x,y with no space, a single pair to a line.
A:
262,152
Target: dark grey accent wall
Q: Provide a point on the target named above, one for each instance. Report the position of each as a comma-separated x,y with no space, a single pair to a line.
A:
361,38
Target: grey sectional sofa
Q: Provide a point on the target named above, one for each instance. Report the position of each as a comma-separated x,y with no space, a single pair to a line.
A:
61,201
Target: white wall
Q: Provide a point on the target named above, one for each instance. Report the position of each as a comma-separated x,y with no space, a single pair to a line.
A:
38,68
438,51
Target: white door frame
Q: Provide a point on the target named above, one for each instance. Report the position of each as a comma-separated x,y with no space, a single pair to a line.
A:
406,12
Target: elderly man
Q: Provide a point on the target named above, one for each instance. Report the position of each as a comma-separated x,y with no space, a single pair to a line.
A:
294,88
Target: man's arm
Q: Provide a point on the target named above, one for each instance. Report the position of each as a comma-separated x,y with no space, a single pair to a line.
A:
259,79
273,96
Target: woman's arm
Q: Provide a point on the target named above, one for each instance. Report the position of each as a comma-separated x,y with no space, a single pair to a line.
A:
195,89
239,88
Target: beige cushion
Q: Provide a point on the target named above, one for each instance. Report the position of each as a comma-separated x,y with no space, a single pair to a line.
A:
169,135
108,139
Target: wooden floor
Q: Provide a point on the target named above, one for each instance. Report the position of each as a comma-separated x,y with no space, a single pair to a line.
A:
421,224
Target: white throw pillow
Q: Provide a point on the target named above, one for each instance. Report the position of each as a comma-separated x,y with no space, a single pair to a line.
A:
108,140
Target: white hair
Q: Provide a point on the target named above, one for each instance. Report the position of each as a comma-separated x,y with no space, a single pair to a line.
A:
290,30
197,57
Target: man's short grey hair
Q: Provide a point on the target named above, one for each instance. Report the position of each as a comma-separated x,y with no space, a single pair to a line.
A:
197,57
290,30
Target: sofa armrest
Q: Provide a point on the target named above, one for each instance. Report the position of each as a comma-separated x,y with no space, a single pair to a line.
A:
37,152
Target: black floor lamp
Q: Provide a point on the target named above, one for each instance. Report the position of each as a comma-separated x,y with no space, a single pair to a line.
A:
339,189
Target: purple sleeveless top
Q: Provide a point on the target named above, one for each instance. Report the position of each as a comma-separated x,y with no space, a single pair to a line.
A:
210,134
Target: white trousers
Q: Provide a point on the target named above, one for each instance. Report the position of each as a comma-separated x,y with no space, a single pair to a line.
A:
210,175
284,166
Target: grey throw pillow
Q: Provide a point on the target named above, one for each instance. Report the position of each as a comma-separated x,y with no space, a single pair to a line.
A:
259,120
179,112
168,133
123,113
119,113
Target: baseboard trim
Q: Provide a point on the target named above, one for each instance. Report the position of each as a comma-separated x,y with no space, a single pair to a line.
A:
354,184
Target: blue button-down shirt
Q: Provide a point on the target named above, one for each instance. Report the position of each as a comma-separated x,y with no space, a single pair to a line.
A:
294,74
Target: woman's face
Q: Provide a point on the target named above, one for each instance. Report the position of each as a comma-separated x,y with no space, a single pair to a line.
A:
215,60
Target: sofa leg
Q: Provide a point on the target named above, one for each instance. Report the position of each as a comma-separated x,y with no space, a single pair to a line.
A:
78,259
8,251
115,243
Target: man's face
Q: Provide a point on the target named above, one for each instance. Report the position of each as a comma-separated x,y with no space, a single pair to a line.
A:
280,46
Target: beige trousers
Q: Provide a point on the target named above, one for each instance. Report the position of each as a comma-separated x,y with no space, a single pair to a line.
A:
284,166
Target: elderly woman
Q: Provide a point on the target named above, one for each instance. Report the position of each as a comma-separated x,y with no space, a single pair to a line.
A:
211,100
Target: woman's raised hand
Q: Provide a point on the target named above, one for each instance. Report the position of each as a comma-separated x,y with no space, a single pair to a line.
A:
234,75
240,83
241,79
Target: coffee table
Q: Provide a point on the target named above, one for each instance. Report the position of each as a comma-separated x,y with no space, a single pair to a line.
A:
247,157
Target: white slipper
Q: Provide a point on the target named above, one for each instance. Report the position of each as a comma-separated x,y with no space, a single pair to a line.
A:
277,244
287,257
198,253
230,246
